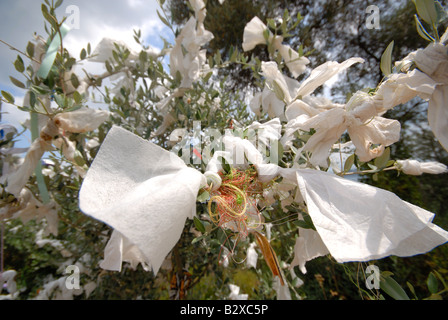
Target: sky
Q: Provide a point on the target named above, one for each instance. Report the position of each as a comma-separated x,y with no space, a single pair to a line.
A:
116,19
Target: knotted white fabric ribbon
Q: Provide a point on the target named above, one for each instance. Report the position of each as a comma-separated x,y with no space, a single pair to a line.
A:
254,34
331,124
281,91
145,193
416,168
358,222
433,61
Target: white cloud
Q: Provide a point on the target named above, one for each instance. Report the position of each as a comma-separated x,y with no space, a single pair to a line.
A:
116,19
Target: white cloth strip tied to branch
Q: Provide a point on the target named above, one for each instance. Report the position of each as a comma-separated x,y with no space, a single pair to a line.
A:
284,97
358,222
433,61
145,193
78,121
432,71
17,179
416,168
28,208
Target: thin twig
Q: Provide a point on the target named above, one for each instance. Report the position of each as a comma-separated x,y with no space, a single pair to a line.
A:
21,52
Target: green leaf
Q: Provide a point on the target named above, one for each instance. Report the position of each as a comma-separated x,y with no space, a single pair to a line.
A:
234,55
198,239
8,97
218,58
278,91
50,18
74,108
19,65
382,160
349,163
17,83
77,97
302,224
43,190
44,10
203,196
439,276
30,49
386,274
70,63
221,235
60,100
392,288
83,54
426,10
271,23
116,56
58,3
109,67
386,60
422,31
163,19
26,109
39,90
143,57
309,221
79,159
266,34
411,288
276,152
207,77
225,165
432,283
292,209
32,99
74,80
199,225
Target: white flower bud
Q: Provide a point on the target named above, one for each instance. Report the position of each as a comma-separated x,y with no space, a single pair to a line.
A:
414,167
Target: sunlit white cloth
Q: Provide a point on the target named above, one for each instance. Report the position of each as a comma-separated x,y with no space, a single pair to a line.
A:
359,222
143,192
